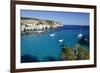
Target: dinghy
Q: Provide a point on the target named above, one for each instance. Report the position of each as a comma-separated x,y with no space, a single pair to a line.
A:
80,36
52,35
60,41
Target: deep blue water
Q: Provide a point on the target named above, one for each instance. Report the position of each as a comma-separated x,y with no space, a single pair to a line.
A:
43,47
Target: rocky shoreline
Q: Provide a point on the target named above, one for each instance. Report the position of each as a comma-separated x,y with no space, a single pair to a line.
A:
75,53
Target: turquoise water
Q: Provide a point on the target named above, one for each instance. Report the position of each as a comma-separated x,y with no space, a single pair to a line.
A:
43,47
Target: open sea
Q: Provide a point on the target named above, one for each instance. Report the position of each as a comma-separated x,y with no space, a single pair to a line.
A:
43,47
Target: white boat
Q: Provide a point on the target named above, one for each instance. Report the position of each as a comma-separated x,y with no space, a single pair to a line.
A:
80,36
52,35
60,41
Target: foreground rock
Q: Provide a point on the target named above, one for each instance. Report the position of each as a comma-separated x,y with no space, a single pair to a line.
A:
76,53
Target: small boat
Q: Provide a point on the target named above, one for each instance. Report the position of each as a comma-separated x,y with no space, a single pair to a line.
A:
80,36
52,35
60,41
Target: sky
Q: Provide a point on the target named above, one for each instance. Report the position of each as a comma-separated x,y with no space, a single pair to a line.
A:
66,18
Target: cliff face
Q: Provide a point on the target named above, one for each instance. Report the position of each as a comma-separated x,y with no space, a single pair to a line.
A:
34,24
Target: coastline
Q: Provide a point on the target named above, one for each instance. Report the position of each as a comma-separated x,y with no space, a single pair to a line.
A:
38,25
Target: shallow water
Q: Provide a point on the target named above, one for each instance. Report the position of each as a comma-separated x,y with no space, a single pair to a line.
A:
45,47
